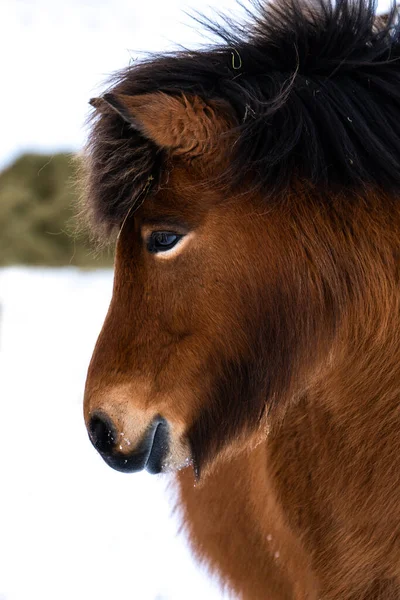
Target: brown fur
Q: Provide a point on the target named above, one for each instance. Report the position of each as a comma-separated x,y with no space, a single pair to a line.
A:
271,345
185,125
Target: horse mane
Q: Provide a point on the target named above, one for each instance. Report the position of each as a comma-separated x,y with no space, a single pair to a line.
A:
315,89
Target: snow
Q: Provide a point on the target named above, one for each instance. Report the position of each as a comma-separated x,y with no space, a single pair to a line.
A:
71,527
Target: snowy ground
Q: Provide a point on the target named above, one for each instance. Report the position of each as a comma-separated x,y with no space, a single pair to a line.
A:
71,527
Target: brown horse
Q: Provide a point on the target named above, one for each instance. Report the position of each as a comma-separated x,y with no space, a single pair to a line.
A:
252,344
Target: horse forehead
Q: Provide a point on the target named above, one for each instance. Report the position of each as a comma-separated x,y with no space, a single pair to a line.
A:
184,190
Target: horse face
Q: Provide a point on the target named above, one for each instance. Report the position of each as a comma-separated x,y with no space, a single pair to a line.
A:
182,321
209,317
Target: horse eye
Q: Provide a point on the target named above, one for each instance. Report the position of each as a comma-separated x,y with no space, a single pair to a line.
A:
160,241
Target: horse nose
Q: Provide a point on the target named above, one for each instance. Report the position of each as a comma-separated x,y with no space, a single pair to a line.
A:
102,433
149,454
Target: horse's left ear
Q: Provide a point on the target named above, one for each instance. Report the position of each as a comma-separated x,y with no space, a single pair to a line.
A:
185,125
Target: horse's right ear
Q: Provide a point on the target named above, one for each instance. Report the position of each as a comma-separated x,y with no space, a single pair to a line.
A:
185,124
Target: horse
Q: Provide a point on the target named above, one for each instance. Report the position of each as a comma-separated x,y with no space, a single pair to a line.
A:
252,345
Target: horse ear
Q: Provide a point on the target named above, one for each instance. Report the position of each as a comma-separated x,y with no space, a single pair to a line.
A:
185,125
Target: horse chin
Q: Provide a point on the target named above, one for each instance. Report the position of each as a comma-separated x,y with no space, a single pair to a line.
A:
178,458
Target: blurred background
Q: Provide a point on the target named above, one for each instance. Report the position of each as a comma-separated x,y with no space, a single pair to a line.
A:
70,527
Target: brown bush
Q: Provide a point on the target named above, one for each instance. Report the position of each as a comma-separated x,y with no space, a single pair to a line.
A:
38,207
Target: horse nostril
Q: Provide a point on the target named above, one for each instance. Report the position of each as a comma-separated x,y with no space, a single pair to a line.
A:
102,433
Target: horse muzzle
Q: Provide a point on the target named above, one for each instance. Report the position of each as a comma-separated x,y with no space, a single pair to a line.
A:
151,453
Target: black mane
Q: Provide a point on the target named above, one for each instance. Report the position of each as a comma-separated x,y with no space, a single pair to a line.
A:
315,88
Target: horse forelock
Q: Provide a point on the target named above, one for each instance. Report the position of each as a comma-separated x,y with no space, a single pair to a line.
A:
303,82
